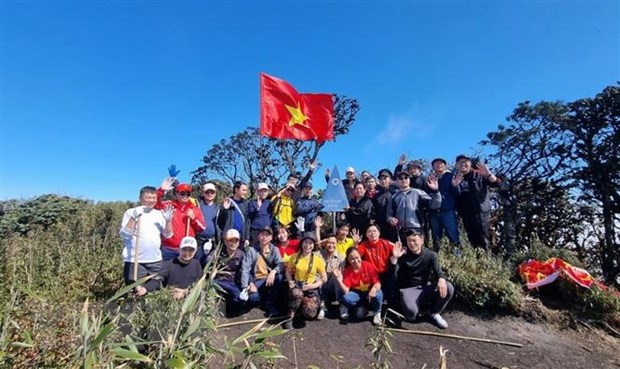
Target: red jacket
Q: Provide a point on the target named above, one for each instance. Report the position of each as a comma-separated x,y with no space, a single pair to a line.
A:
179,220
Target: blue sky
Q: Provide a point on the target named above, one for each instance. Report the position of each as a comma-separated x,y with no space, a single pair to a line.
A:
98,98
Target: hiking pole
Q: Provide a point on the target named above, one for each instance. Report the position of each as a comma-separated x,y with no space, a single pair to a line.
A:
136,250
187,227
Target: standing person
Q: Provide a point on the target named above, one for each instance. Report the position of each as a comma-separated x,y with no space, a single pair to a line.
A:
234,213
413,268
406,206
211,235
444,218
154,224
283,209
359,213
361,288
229,277
377,251
307,207
371,187
305,274
364,176
380,203
178,274
187,219
414,168
260,211
473,200
261,272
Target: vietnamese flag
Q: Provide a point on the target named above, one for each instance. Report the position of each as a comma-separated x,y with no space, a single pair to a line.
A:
285,113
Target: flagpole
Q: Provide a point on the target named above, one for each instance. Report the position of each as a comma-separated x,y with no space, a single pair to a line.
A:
334,222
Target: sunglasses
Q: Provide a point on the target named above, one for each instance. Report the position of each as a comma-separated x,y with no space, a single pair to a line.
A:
209,191
185,193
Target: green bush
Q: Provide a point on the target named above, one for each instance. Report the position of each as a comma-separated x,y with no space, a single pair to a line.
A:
482,281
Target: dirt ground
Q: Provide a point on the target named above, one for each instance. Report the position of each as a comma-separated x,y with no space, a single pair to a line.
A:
332,344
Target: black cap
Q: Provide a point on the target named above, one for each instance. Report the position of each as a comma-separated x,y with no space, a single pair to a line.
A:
414,163
402,173
384,172
307,185
266,229
462,156
307,236
439,159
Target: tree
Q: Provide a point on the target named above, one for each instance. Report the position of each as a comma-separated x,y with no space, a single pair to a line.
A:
560,162
252,158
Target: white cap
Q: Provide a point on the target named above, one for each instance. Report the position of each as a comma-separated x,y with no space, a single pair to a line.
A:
208,186
350,169
188,242
232,233
263,186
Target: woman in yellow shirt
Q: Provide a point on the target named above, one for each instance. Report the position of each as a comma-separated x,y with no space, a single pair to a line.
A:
305,273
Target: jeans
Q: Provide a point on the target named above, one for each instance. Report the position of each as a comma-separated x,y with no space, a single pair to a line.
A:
353,299
231,289
266,295
445,220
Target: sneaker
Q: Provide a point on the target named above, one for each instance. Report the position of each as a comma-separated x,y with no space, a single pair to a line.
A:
441,323
344,312
361,312
288,325
376,320
321,315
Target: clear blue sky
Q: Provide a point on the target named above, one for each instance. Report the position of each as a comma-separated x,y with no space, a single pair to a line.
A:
98,98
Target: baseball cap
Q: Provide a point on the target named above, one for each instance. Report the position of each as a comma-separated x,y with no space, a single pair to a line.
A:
263,186
232,234
188,242
439,159
402,173
208,186
307,185
266,229
183,187
350,169
462,156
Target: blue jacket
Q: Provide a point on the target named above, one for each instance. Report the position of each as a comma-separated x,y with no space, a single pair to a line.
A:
406,206
248,266
308,208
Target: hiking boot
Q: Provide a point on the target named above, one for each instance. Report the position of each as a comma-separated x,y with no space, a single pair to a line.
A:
288,325
376,319
361,312
441,323
344,312
321,315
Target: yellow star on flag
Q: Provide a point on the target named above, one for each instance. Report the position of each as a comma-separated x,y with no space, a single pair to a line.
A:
364,286
297,116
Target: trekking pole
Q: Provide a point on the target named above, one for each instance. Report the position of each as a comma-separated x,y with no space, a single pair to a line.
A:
136,251
187,227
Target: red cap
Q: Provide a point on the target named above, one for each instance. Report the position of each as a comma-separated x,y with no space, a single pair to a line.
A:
184,187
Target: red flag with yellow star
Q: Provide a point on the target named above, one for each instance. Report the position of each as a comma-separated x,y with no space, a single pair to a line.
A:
285,113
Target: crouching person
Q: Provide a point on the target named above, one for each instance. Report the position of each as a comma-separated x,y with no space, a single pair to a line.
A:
228,279
305,273
412,268
361,287
178,274
261,272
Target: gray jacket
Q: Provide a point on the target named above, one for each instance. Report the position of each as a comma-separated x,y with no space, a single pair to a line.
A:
406,206
248,266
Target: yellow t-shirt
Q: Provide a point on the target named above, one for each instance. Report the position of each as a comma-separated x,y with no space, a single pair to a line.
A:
284,210
344,245
300,271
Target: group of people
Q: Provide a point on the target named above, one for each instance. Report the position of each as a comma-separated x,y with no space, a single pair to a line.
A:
273,254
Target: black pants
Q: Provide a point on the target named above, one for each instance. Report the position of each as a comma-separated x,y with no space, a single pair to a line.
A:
477,228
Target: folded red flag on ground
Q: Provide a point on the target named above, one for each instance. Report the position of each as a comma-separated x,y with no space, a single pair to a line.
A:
285,113
536,273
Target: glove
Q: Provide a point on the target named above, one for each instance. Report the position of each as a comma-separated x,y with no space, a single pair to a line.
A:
167,213
172,170
244,295
207,246
137,212
300,223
